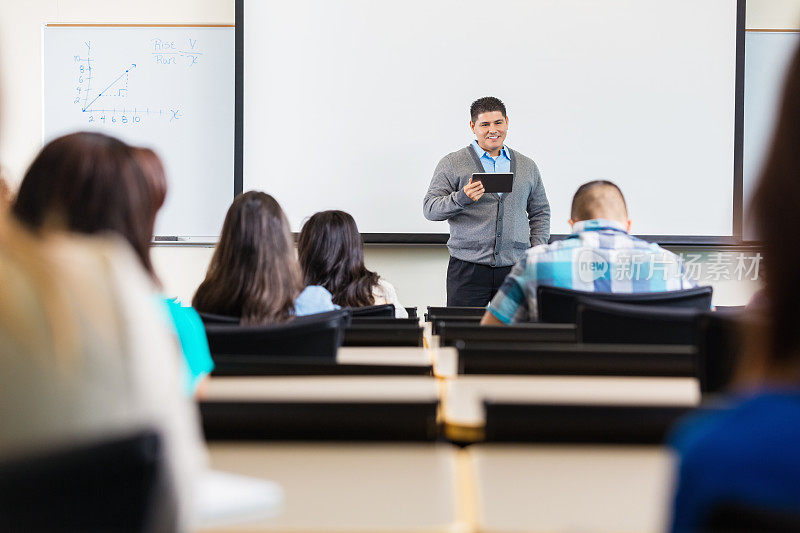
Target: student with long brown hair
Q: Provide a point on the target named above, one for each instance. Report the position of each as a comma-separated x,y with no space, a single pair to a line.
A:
747,454
93,183
254,273
331,254
86,352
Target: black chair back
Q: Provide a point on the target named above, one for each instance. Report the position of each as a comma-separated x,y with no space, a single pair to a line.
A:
567,359
211,318
383,321
462,320
580,423
287,365
607,322
720,346
318,335
559,305
119,485
383,310
737,517
412,312
360,334
443,312
452,332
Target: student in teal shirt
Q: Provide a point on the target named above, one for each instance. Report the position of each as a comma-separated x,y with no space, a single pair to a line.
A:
194,344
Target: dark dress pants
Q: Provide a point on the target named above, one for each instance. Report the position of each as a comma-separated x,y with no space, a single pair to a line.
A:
472,285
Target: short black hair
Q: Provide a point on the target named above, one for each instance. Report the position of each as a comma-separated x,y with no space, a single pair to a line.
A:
487,104
587,201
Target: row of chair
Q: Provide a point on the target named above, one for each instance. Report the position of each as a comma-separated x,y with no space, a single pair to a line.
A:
308,345
557,305
608,339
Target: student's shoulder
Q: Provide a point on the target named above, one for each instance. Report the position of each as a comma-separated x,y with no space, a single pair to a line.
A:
314,293
314,299
542,252
747,424
383,287
641,245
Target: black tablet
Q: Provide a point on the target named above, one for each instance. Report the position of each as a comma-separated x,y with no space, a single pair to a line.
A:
494,182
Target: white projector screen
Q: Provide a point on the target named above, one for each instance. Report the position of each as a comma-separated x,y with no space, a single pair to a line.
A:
350,104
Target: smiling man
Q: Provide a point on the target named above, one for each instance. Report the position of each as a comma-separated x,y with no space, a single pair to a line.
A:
489,232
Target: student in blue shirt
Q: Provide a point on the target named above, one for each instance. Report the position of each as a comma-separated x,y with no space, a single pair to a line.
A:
747,454
103,185
254,273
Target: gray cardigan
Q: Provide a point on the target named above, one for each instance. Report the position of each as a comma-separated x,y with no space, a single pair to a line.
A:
493,231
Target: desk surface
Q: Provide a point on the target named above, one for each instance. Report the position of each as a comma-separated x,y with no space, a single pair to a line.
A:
463,397
328,389
384,355
571,488
352,487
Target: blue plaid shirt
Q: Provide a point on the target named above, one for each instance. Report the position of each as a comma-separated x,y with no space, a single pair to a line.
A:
598,256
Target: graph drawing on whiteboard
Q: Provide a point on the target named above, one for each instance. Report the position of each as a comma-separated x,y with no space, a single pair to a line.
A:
111,104
169,88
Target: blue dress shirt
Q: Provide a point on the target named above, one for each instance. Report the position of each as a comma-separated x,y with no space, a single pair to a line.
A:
496,165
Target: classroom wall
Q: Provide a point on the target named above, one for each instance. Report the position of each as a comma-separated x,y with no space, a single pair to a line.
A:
418,272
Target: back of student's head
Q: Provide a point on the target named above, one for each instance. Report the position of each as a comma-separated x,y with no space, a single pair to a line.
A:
331,254
776,215
89,183
254,272
599,199
155,178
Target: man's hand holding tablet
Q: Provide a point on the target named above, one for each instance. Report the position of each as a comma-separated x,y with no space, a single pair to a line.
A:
474,189
494,182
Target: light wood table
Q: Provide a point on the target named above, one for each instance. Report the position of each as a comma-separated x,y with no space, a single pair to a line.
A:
384,355
528,488
322,388
353,487
445,362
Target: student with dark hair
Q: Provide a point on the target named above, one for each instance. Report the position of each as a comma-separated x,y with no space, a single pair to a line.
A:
92,183
488,232
254,273
87,353
599,255
331,254
88,183
746,454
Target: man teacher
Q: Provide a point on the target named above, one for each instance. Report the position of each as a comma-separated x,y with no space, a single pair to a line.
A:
489,232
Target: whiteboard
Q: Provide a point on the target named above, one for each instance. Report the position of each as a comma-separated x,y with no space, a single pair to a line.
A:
350,104
767,58
168,88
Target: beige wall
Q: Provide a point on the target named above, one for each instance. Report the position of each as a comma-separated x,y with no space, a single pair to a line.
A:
418,272
773,14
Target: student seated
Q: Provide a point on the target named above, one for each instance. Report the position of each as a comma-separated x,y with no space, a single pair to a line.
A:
87,353
747,454
254,273
92,183
599,255
331,254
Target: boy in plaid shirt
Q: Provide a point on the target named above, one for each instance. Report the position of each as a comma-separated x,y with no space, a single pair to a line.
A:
599,255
